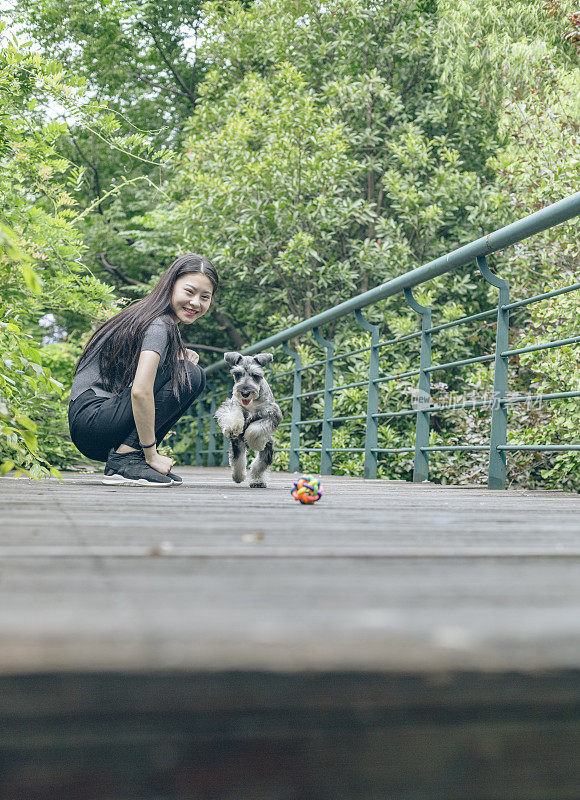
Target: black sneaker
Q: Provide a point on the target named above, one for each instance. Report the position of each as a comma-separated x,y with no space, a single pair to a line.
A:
177,479
131,469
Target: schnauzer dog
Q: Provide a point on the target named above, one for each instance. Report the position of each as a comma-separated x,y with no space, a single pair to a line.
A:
249,417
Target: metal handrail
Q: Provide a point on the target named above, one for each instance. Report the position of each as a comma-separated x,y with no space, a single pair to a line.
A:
557,213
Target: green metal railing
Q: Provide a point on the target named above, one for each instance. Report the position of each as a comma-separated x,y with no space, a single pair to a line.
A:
403,285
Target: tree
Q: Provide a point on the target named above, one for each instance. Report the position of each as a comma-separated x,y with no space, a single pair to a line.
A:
522,58
40,253
316,162
143,66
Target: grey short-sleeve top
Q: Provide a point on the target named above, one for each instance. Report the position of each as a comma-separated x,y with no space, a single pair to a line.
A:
89,376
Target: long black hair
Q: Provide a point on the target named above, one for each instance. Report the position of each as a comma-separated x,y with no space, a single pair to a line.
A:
120,338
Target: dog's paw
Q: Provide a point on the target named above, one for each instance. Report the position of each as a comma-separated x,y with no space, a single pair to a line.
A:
238,477
234,431
256,440
258,485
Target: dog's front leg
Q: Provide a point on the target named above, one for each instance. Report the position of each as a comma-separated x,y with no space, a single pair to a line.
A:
230,418
238,459
260,466
258,433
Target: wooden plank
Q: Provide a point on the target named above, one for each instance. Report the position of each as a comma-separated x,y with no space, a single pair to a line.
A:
379,575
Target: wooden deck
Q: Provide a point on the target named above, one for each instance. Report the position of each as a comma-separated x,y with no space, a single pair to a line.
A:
402,640
378,574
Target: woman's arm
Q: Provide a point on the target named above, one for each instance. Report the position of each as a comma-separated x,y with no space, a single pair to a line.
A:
143,403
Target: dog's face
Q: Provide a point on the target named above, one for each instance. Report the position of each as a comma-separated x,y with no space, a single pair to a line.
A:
247,373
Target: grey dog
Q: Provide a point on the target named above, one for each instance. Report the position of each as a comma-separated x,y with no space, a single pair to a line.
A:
249,417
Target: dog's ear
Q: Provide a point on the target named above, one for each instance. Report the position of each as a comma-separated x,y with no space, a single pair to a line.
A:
263,358
232,358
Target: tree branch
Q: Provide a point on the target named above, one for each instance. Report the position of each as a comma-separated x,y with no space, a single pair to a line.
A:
194,68
170,90
117,272
293,306
169,65
226,324
195,346
83,156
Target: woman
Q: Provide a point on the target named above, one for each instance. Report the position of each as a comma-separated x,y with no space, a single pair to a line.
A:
135,378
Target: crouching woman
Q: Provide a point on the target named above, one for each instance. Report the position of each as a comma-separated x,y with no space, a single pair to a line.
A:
135,377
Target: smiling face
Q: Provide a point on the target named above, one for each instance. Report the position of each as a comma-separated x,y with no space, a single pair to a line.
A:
191,297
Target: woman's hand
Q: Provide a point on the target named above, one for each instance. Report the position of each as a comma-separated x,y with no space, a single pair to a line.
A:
192,356
160,463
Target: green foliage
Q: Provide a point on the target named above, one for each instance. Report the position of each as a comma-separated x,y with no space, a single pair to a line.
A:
26,387
310,171
257,189
40,251
139,64
522,57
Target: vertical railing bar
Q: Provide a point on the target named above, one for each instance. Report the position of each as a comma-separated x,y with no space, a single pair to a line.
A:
421,463
372,427
181,429
294,457
212,424
497,458
327,414
188,431
225,441
199,435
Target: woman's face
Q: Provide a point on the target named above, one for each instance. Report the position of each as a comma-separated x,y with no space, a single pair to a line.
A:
191,297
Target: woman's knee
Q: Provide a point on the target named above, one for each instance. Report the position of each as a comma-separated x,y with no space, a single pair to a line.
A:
196,379
90,446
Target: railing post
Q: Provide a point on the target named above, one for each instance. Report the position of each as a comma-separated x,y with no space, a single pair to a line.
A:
294,456
497,458
421,464
183,429
372,426
326,443
199,435
212,424
225,450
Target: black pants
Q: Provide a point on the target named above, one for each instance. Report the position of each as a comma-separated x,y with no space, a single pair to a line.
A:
99,423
